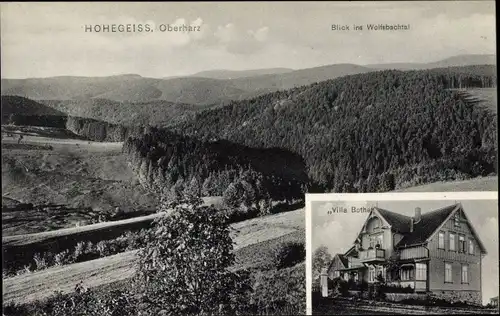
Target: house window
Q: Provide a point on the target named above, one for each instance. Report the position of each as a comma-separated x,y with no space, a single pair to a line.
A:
406,274
355,276
380,240
448,276
465,273
457,219
337,274
471,246
371,274
441,240
452,242
421,271
461,243
381,272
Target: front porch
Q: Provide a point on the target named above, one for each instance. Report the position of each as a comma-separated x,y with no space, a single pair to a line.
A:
412,274
408,276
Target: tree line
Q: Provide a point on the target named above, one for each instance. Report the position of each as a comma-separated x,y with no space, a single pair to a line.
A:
176,165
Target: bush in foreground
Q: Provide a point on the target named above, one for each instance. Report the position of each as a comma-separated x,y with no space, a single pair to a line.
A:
184,269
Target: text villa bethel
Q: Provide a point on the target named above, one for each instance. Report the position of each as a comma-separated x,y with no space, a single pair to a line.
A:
370,27
352,209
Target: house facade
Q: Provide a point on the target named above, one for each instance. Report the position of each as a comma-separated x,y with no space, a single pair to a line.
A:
438,252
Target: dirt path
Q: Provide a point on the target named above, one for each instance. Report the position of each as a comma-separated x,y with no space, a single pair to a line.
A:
27,239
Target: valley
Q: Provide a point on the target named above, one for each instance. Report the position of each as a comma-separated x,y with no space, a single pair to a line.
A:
82,186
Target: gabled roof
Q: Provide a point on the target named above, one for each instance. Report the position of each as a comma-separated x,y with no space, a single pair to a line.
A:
399,223
424,229
349,251
427,225
342,259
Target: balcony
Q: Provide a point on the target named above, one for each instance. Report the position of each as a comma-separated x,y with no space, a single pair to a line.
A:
414,253
372,255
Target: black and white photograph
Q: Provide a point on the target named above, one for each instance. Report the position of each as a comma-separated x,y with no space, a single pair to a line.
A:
415,254
156,156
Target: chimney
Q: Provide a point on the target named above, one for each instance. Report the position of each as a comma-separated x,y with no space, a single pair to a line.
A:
411,225
418,214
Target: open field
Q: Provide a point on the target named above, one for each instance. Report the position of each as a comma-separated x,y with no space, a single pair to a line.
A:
485,97
38,285
68,180
335,306
476,184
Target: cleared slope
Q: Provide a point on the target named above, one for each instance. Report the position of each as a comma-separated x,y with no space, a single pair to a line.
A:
66,179
476,184
486,97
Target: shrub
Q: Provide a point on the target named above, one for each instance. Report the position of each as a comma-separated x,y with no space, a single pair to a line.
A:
184,269
90,248
103,248
25,269
40,262
432,300
289,254
279,292
339,287
389,288
82,301
79,250
241,213
83,251
63,257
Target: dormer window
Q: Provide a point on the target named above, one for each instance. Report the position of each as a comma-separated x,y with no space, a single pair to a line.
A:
374,224
457,219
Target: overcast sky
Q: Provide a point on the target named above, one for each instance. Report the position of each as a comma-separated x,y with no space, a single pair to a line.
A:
338,231
48,39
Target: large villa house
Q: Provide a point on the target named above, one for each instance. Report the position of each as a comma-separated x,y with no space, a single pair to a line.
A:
438,252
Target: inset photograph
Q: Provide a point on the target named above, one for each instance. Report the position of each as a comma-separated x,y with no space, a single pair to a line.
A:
418,255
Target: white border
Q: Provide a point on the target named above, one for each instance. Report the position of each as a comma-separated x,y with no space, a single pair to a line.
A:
398,196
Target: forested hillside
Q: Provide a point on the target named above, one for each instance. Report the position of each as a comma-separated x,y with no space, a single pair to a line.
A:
369,132
168,162
22,111
362,133
155,113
